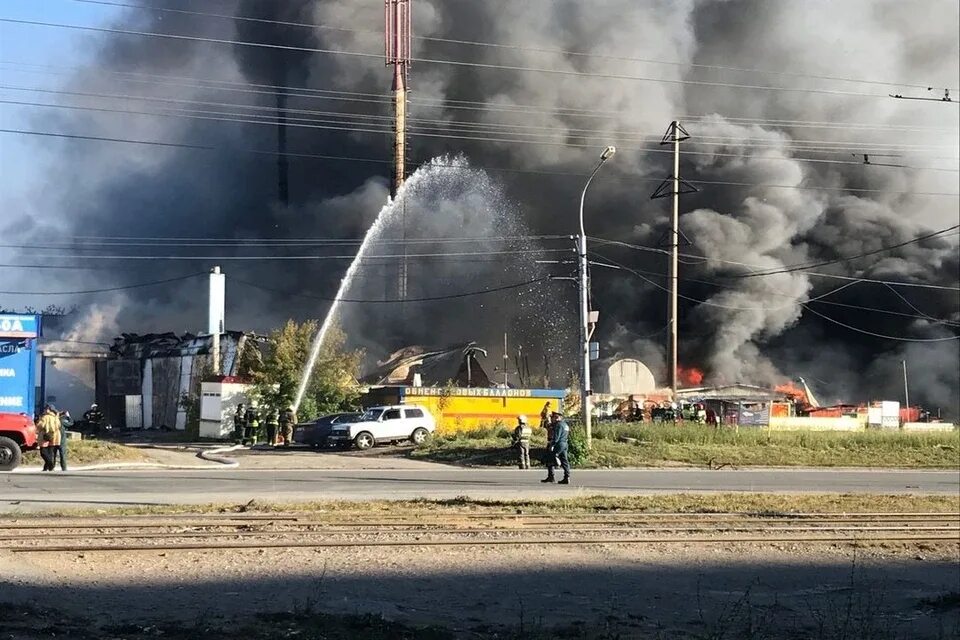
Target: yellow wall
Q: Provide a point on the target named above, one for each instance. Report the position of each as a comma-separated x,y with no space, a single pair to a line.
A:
462,413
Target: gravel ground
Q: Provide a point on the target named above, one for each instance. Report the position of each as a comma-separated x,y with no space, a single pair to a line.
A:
632,590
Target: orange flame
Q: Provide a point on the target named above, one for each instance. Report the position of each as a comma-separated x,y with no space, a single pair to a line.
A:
690,376
792,390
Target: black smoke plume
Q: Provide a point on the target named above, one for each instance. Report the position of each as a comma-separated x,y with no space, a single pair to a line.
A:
771,209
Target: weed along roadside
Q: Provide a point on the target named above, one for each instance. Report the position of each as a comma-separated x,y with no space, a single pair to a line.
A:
619,445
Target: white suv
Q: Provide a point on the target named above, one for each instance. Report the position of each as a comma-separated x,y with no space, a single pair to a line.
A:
385,424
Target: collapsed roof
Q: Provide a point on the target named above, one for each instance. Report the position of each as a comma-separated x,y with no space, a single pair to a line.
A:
456,364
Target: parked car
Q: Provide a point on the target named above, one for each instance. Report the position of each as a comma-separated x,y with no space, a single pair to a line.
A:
316,433
18,433
385,424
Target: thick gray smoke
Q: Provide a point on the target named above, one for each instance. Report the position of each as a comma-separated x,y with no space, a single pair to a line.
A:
781,210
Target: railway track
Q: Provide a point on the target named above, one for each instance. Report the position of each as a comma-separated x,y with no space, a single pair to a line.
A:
193,532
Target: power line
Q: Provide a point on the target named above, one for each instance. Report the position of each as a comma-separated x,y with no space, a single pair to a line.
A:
820,299
460,63
810,146
96,242
105,290
748,265
369,301
877,335
428,132
564,52
316,156
309,257
449,103
811,265
797,303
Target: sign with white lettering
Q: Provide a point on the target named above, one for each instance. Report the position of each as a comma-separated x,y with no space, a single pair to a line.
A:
17,365
19,326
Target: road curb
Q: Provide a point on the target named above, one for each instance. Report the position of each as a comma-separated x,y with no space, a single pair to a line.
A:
212,455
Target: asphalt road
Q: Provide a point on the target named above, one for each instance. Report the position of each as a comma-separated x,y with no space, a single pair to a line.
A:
90,489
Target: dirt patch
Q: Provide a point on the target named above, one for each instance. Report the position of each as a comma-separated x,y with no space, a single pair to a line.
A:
630,591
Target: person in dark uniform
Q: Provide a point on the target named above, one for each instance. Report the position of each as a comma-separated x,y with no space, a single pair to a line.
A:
65,423
94,419
273,426
239,423
288,419
558,447
251,425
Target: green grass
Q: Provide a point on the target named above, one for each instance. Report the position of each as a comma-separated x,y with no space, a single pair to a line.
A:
695,445
86,452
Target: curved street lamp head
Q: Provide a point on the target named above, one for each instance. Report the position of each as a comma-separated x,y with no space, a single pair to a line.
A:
608,153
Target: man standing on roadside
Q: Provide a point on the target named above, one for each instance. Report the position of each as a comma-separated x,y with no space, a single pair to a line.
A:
65,423
558,446
48,433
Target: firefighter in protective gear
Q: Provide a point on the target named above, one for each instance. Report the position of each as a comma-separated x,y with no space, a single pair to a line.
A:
251,425
273,426
239,423
48,435
521,441
288,418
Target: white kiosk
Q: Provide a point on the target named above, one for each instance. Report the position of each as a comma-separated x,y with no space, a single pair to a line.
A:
218,404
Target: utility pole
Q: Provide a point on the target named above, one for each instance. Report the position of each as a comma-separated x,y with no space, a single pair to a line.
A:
675,135
215,313
906,389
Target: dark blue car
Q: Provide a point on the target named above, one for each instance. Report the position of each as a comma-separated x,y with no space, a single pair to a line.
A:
315,434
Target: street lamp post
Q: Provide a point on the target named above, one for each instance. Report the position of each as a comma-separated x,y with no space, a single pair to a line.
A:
585,332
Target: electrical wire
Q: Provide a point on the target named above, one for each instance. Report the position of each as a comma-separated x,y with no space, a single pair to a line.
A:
459,63
748,265
811,265
563,52
797,303
105,290
395,300
878,335
449,103
308,257
316,156
92,242
912,306
435,132
818,300
809,146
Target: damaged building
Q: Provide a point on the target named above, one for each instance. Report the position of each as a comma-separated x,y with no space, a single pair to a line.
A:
142,382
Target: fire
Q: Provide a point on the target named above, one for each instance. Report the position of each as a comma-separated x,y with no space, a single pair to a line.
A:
792,390
690,376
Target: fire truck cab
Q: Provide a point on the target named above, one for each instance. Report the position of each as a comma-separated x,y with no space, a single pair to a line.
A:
18,433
